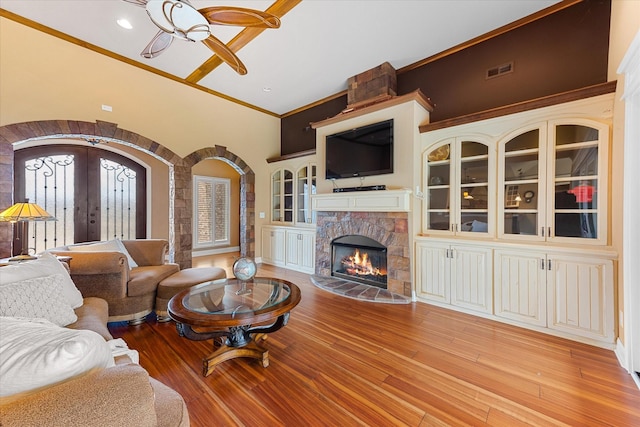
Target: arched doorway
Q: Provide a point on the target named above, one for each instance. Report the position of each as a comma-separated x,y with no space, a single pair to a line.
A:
180,177
247,191
95,194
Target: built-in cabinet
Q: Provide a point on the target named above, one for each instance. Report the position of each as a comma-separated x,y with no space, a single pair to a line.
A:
282,196
563,292
455,274
305,188
291,193
289,241
460,188
521,286
300,249
580,296
273,245
553,182
289,247
514,220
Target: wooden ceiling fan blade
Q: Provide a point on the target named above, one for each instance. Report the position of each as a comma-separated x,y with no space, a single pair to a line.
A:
239,16
158,44
141,3
225,54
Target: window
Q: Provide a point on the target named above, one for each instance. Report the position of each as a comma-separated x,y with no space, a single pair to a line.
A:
211,211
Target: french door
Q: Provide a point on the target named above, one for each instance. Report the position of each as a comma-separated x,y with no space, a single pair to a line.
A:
94,194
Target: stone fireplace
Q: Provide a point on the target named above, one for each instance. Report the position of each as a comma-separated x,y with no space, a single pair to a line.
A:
389,229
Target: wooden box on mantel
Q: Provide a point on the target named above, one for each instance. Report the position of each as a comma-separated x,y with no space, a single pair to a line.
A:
378,83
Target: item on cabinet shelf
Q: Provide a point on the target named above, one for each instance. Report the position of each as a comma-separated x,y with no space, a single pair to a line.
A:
361,188
435,180
528,196
441,153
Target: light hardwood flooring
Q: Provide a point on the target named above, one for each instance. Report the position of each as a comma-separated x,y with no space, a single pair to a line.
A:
342,362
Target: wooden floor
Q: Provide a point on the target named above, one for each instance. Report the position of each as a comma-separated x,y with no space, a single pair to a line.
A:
341,362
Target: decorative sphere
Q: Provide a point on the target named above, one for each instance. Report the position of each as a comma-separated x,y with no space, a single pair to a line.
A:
244,269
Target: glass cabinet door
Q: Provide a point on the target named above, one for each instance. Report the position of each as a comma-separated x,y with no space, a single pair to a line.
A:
305,188
438,167
474,187
288,196
282,196
520,201
575,182
552,182
457,183
276,193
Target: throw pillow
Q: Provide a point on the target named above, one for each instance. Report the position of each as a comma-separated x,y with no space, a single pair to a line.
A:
45,265
35,353
40,297
108,246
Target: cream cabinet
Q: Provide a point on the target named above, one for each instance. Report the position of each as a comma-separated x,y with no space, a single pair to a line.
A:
553,182
291,193
273,245
289,247
515,220
305,188
565,292
521,286
460,186
580,296
282,196
300,250
455,274
289,241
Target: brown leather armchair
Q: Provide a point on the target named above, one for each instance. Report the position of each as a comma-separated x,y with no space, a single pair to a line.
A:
130,292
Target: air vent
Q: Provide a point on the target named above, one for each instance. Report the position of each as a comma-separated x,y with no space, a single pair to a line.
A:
500,70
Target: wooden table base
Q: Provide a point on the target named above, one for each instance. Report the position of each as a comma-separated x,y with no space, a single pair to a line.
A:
252,350
236,341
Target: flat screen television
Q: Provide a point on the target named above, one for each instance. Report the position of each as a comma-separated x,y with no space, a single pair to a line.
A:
363,151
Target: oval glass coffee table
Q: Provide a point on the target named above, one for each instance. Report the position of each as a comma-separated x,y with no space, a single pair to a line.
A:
235,314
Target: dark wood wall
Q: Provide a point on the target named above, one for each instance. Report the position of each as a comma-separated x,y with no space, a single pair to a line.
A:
560,52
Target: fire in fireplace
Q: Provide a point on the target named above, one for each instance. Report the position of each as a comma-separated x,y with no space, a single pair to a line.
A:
359,258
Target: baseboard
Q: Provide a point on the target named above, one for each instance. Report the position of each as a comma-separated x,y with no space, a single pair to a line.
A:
621,354
636,378
215,251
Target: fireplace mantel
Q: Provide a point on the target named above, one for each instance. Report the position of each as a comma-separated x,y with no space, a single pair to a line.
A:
363,201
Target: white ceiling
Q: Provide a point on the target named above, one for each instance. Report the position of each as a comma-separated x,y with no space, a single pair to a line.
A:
320,44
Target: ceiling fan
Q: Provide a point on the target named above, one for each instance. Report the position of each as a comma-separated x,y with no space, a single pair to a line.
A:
179,19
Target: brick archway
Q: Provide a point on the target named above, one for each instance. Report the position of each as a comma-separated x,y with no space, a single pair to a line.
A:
247,191
182,194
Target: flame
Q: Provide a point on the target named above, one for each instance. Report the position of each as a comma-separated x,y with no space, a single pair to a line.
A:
360,265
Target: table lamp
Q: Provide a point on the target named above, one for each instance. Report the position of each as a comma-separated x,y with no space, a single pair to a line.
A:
23,213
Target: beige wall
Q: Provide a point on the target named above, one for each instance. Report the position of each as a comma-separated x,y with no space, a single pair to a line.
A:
625,23
220,169
45,78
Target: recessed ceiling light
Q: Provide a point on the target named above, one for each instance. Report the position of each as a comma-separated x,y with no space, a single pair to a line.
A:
124,23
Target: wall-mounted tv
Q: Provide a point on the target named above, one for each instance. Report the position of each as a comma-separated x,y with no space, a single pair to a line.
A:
363,151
